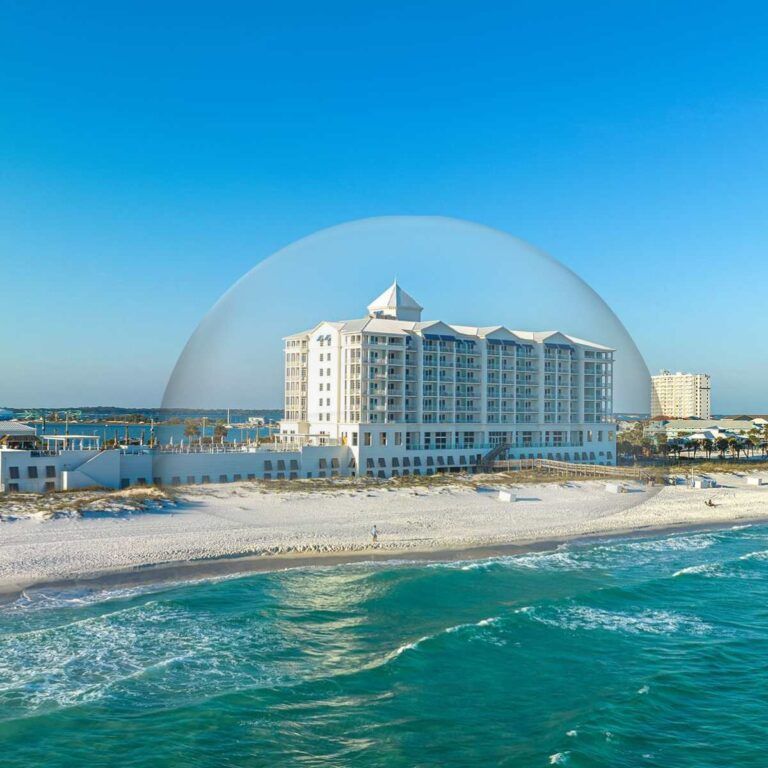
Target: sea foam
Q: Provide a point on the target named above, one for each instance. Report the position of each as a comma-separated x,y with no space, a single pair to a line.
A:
643,622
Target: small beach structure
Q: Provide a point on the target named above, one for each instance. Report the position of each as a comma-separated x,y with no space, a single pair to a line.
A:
615,488
507,496
701,483
756,481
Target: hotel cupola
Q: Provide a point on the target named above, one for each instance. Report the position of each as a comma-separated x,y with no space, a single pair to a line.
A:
395,304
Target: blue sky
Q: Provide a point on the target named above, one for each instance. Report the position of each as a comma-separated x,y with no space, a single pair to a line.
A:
153,153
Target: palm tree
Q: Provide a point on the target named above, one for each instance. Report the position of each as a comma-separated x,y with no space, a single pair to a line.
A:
722,445
694,444
220,431
735,445
708,445
752,440
191,429
675,446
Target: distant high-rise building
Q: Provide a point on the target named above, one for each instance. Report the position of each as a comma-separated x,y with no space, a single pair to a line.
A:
681,395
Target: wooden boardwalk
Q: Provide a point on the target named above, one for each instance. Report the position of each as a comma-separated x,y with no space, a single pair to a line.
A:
569,469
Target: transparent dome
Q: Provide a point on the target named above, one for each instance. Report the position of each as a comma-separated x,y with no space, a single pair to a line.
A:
459,272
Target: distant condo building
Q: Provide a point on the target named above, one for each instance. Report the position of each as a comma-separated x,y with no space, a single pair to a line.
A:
680,395
412,396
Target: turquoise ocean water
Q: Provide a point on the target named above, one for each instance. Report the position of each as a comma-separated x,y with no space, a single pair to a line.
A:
618,653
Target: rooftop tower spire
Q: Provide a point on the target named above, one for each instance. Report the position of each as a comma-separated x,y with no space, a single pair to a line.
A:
395,304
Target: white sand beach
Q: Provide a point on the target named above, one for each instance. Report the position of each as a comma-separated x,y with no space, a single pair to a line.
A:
224,521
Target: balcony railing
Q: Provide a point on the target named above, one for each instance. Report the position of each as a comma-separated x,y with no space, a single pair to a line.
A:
450,446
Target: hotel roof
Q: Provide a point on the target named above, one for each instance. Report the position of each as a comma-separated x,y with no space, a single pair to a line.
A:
396,301
705,424
16,428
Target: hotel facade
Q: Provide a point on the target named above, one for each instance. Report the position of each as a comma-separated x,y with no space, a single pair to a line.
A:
411,396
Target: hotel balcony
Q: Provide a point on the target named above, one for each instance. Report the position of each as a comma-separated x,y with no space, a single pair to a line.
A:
385,343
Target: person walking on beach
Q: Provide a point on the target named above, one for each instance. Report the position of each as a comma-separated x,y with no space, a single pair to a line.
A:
374,535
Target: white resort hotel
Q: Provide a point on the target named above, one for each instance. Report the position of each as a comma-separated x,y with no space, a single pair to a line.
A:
412,396
386,395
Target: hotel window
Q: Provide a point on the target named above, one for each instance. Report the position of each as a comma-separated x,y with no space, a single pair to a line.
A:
398,438
32,473
366,438
13,487
327,371
327,400
50,471
382,438
354,438
50,487
321,357
13,473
